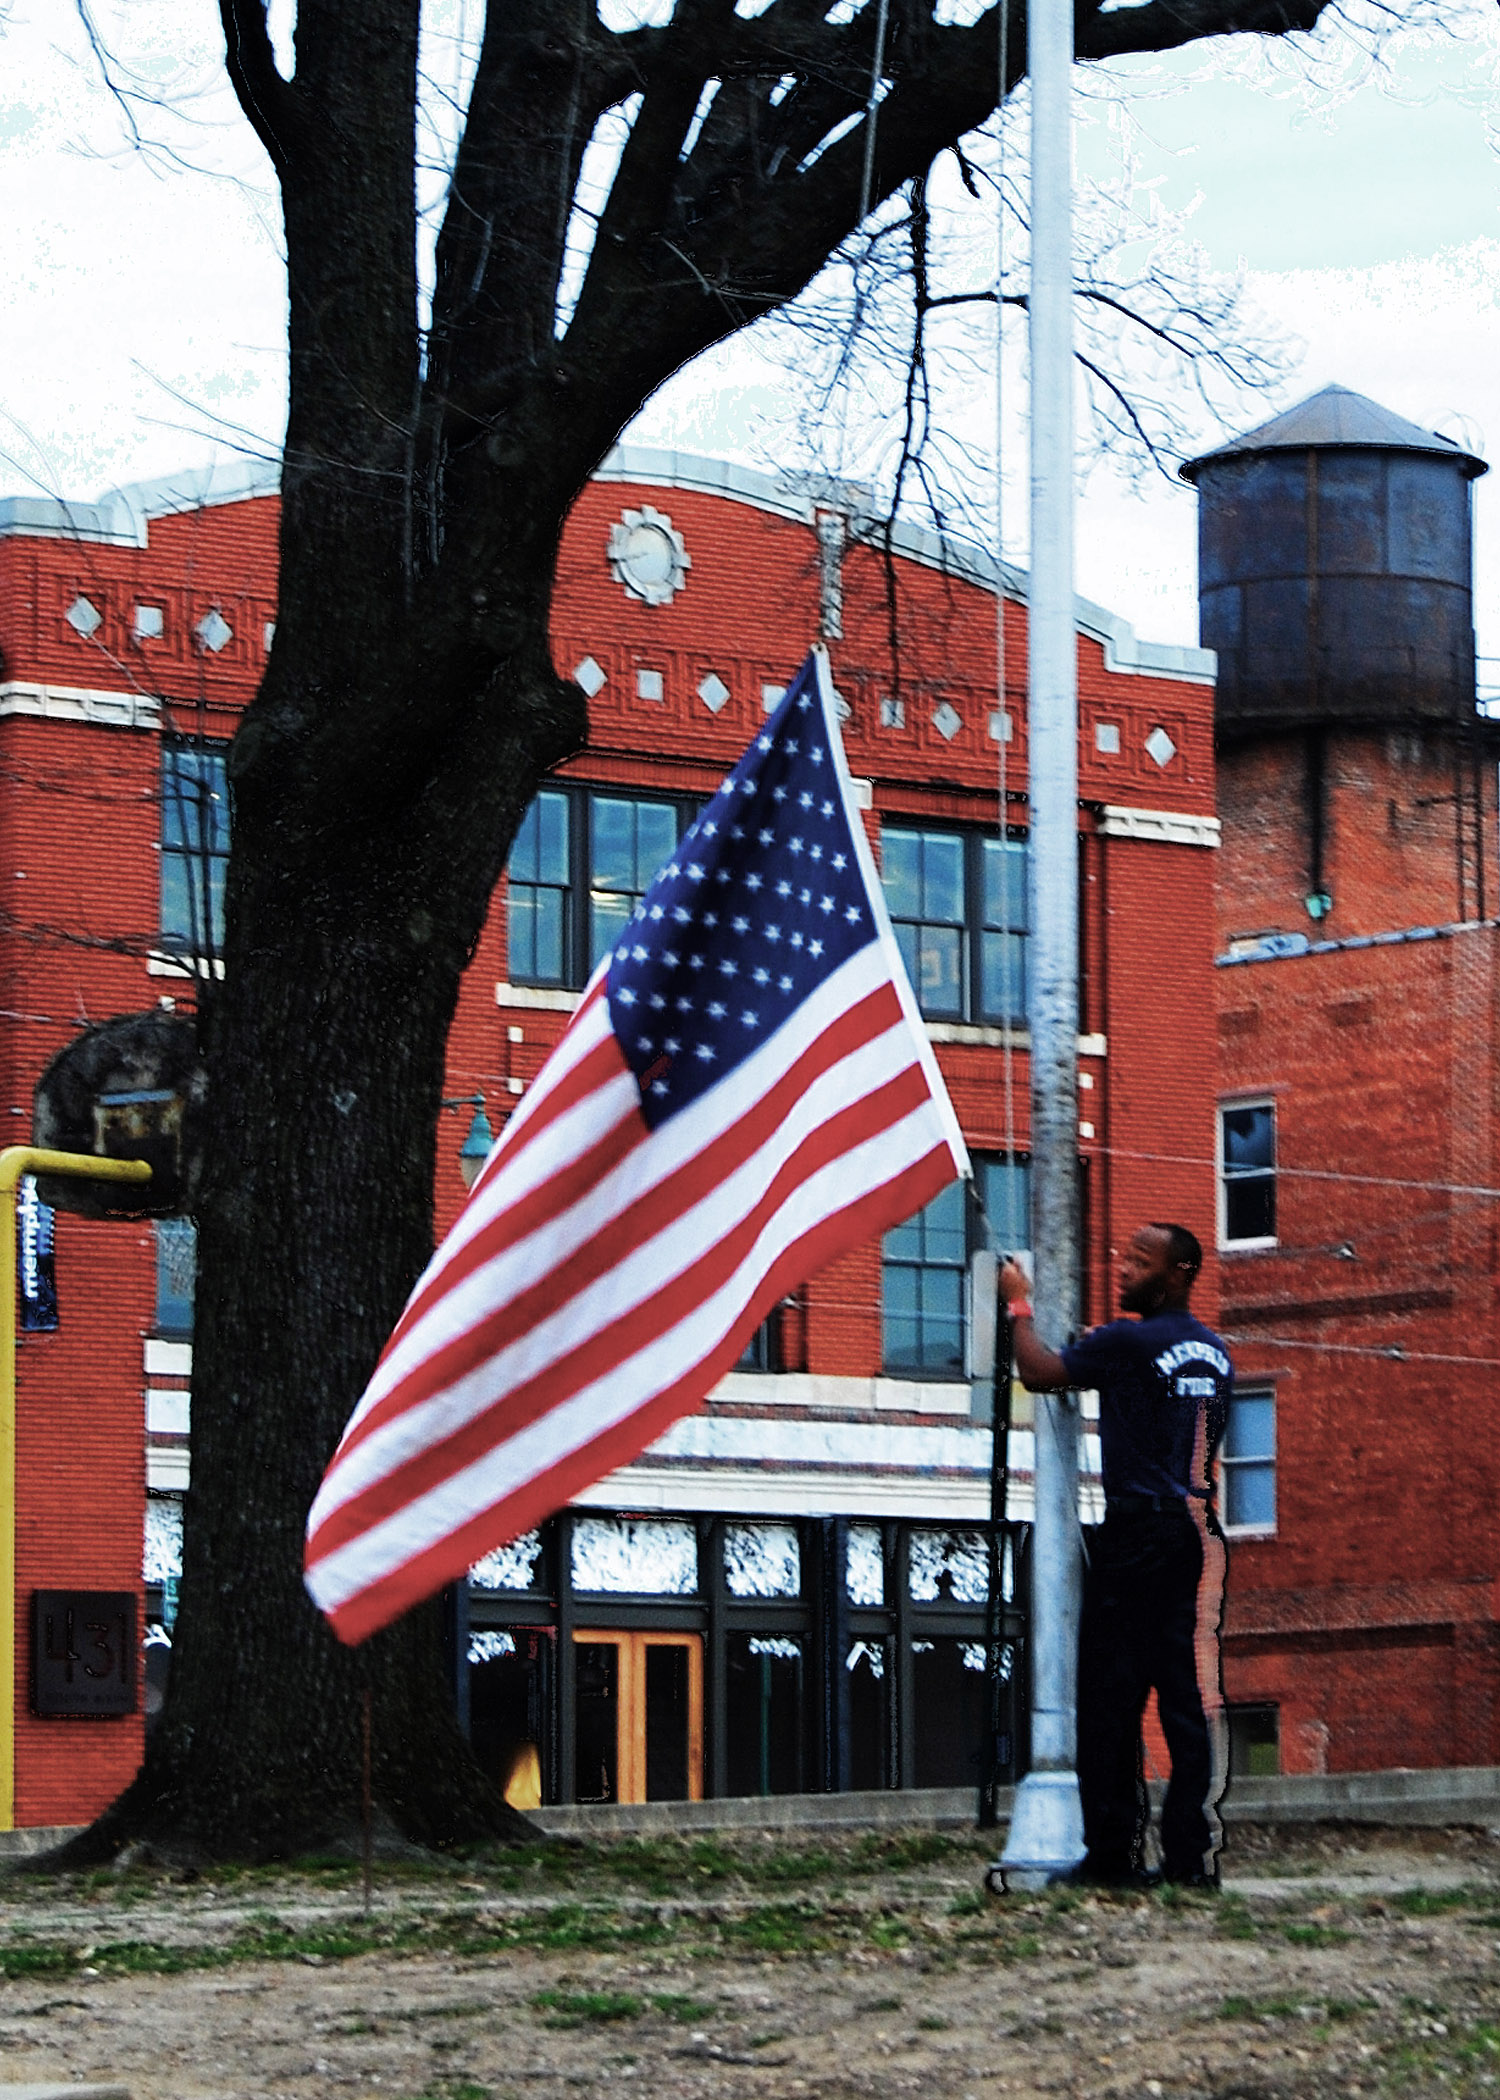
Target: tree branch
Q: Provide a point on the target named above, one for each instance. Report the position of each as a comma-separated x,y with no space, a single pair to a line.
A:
268,101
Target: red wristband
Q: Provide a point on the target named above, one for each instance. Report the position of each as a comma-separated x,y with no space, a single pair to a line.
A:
1019,1309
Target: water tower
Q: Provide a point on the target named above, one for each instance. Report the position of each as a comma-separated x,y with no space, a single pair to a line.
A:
1335,557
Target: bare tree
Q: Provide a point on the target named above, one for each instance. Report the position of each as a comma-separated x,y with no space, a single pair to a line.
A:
410,706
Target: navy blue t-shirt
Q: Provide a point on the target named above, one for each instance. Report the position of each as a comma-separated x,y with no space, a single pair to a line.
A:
1164,1384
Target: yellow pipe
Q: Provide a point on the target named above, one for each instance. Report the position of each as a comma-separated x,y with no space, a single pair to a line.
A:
16,1160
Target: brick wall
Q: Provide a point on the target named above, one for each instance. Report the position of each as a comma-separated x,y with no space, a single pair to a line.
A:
79,872
1370,1617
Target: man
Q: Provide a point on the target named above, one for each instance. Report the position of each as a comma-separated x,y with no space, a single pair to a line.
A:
1154,1590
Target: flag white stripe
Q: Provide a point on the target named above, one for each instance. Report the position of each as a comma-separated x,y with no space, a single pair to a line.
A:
626,1388
522,1168
647,1268
669,1149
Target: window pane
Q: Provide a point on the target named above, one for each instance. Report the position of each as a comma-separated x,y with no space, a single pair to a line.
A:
611,843
939,981
608,918
524,848
901,876
942,1319
194,846
943,877
943,1236
547,935
901,1291
1005,883
551,837
176,901
1003,965
656,835
176,1271
1250,1208
1250,1494
1251,1429
901,1345
1004,1190
1249,1138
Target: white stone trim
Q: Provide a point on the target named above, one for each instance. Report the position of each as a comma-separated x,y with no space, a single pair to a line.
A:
168,1359
537,996
168,1411
745,1491
1158,827
159,964
166,1469
821,1392
99,707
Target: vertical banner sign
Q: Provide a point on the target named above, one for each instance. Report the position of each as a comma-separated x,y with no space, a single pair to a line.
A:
35,1262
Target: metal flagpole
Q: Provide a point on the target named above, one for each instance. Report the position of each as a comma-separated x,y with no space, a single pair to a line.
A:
1046,1831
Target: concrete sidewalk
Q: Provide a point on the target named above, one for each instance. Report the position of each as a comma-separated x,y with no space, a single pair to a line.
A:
1465,1796
1457,1797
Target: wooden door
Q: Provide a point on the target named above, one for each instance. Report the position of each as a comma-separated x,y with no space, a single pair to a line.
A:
638,1706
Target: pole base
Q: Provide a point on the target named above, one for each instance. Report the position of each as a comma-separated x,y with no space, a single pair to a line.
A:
1046,1832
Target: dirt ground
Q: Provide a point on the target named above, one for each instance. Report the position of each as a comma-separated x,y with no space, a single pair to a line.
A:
1334,1963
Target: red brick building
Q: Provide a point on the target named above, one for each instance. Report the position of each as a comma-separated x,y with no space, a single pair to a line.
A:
788,1591
1357,989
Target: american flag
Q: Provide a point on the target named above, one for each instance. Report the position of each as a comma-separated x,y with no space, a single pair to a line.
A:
745,1092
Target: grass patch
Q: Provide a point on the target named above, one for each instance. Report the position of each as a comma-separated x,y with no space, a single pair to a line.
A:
780,1928
579,2008
1310,1935
1232,1919
1326,2011
1431,1903
677,2005
933,2023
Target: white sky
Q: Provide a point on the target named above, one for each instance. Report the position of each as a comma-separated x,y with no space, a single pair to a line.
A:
143,332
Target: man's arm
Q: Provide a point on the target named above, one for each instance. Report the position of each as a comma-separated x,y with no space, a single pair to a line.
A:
1042,1369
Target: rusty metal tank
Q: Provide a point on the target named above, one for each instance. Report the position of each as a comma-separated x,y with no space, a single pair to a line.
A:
1334,570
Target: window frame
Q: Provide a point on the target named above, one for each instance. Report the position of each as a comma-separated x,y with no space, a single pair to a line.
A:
206,941
1267,1461
1254,1242
577,927
976,1241
974,927
166,1326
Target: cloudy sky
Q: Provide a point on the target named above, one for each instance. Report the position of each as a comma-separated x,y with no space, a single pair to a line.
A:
1360,201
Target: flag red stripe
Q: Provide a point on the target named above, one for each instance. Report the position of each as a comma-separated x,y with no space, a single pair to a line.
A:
394,1592
602,1351
601,1064
651,1213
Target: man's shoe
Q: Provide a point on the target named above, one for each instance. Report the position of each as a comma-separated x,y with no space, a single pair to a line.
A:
1202,1884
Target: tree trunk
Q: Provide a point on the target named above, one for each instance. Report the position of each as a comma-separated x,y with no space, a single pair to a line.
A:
325,1043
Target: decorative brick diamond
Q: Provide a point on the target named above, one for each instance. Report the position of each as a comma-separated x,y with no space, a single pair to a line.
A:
213,630
1160,746
713,692
947,720
83,617
589,675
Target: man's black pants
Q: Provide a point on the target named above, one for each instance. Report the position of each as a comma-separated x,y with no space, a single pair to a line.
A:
1152,1603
